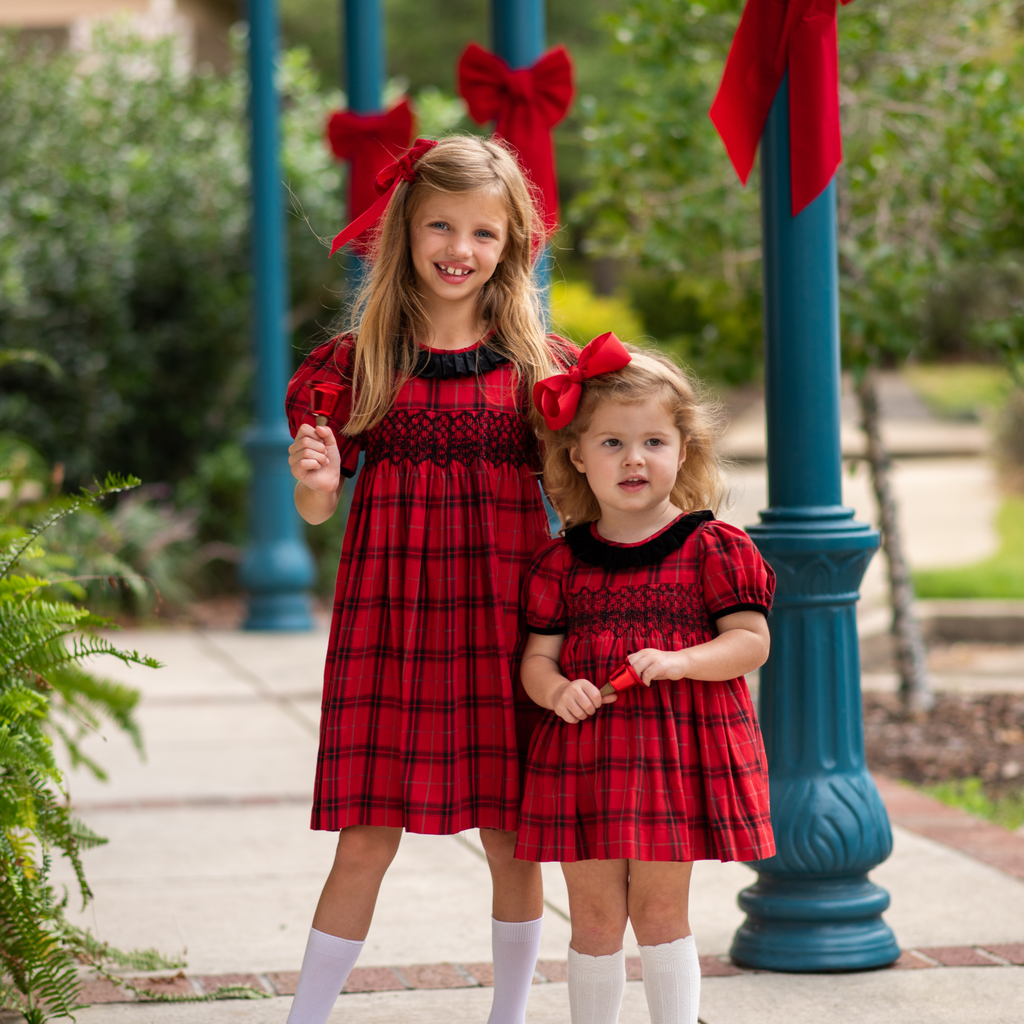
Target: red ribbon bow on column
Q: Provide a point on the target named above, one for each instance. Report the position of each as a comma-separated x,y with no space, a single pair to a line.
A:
369,142
558,397
403,169
526,104
774,35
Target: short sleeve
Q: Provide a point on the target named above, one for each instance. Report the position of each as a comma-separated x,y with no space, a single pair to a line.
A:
543,598
325,365
734,576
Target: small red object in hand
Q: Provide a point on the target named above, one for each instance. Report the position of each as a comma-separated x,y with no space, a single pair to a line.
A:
622,680
323,397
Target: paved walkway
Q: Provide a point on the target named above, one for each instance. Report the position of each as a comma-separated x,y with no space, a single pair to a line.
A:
210,852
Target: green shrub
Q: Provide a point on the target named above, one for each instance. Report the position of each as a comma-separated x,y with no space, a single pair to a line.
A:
124,250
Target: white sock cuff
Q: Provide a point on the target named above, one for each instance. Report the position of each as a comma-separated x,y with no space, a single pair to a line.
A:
666,955
516,931
587,964
332,945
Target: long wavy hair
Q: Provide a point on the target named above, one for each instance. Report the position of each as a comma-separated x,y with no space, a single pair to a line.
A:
699,483
387,314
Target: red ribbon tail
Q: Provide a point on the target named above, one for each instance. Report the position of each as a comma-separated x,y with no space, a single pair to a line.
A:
363,222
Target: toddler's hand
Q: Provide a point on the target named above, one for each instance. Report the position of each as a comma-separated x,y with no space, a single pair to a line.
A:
578,699
650,664
314,458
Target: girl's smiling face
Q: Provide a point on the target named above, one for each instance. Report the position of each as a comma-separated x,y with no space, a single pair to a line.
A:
631,455
456,243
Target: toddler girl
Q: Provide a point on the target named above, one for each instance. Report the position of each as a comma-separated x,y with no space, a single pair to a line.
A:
628,788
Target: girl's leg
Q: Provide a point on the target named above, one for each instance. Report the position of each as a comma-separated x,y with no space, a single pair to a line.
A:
597,964
658,909
517,916
342,919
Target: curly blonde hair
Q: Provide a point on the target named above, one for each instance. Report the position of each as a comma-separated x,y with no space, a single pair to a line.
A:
699,482
388,313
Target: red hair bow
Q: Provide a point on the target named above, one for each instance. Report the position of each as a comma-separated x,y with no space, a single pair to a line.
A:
369,142
526,104
558,397
799,35
403,169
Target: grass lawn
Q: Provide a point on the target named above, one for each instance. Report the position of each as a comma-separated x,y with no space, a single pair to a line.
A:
1002,575
960,391
969,795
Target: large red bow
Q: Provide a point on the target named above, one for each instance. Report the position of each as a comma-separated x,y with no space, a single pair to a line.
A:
369,142
526,104
403,169
774,35
558,397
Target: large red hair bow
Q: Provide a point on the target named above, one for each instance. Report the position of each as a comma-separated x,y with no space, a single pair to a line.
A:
774,35
526,104
369,142
558,397
403,169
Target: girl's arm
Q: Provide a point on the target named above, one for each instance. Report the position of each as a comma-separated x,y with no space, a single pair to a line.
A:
316,463
571,699
740,647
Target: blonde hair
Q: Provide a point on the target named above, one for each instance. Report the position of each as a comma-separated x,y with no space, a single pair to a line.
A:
699,482
388,314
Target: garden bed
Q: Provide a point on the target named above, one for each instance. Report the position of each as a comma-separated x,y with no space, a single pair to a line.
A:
968,751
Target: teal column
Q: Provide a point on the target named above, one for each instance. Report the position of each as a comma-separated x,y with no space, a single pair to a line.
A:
277,568
518,37
362,78
813,907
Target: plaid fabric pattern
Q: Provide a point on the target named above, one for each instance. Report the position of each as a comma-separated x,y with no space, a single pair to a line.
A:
674,772
419,713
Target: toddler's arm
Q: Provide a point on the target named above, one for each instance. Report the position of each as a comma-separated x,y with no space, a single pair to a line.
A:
316,463
740,647
571,699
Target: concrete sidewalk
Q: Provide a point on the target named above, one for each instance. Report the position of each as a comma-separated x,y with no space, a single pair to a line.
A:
210,852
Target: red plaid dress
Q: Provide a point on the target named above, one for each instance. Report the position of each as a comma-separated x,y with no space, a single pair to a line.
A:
419,712
673,772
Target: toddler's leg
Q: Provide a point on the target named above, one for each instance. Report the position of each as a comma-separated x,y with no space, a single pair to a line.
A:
658,898
515,925
597,963
342,919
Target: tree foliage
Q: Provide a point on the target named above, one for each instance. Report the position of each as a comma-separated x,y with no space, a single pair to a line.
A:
930,184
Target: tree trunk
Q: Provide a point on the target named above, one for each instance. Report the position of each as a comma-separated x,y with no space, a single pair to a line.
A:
915,687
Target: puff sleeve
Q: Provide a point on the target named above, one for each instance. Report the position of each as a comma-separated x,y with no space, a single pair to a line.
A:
543,598
328,365
734,576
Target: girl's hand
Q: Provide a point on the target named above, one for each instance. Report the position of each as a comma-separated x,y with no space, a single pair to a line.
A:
650,664
314,459
577,699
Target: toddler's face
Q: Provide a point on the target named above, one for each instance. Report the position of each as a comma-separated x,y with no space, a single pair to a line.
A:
631,455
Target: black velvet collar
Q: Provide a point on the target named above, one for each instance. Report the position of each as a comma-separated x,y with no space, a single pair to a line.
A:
434,364
594,551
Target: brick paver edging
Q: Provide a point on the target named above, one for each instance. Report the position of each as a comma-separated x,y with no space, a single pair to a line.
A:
950,826
440,976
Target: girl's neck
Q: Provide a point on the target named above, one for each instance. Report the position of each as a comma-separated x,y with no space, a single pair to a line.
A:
633,527
452,326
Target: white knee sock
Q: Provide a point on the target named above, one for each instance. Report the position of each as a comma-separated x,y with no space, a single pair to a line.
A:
596,984
514,947
672,981
325,967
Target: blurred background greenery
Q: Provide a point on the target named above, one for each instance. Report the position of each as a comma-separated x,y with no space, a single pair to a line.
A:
124,237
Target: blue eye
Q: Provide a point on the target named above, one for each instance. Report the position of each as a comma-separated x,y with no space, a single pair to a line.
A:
655,442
